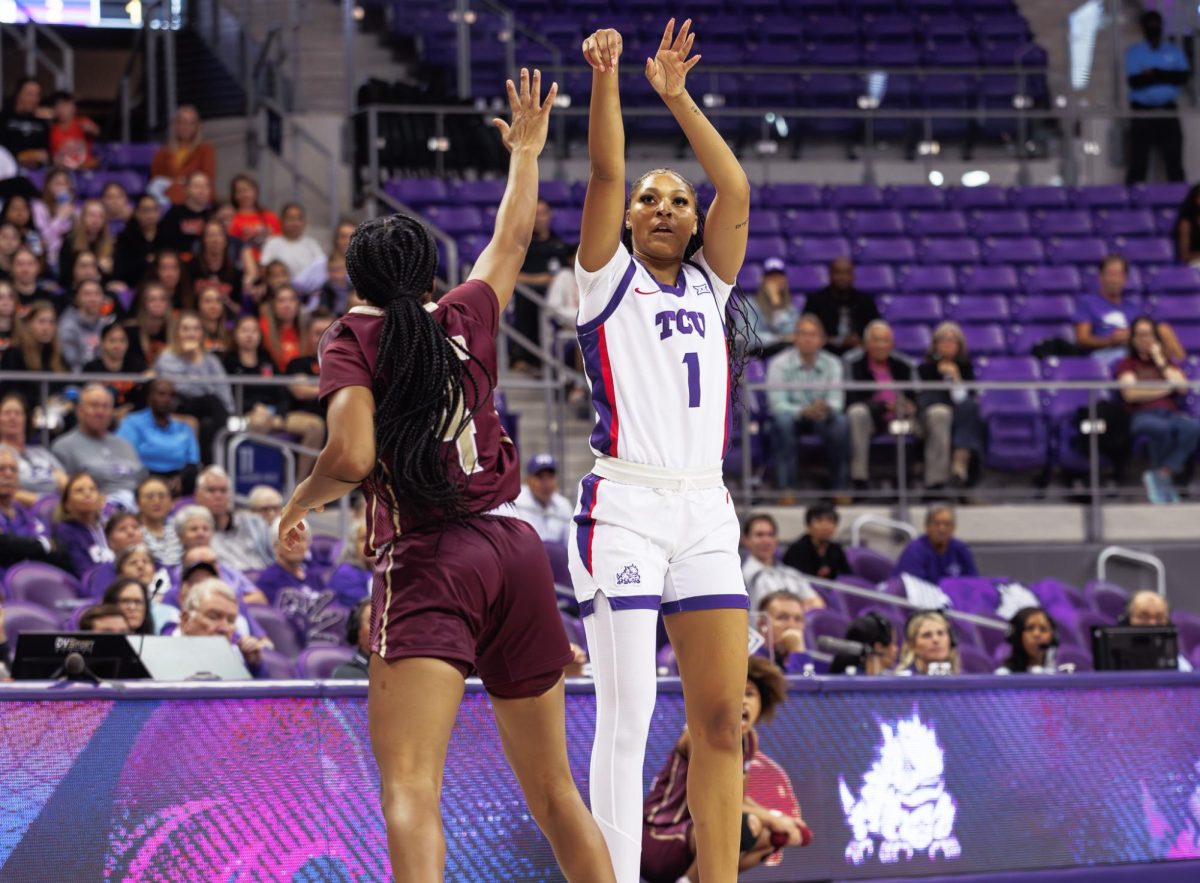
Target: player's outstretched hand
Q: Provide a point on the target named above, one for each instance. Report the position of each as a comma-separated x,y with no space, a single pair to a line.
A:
667,71
602,50
291,521
530,115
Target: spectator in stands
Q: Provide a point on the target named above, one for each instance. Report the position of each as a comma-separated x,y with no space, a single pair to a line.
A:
80,326
937,554
784,630
10,240
8,316
22,534
88,234
305,416
214,315
117,209
763,573
187,153
795,412
1186,231
541,504
358,636
19,212
1031,634
105,619
843,309
54,214
948,405
170,271
133,253
816,553
1103,321
251,223
337,291
264,406
195,527
77,528
351,579
774,315
239,538
211,608
130,597
225,265
928,638
341,238
1159,412
300,253
1156,71
115,356
546,255
122,531
871,413
167,447
875,633
182,227
27,283
36,347
200,380
24,127
265,502
91,448
71,135
1148,608
283,325
154,510
562,295
274,275
39,472
150,329
288,570
668,833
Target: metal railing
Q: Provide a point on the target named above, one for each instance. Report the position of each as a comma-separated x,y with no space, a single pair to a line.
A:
890,523
34,39
1133,555
988,622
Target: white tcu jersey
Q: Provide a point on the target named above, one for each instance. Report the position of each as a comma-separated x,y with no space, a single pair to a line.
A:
656,362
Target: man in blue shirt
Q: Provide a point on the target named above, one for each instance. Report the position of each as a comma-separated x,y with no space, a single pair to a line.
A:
937,554
1156,70
165,445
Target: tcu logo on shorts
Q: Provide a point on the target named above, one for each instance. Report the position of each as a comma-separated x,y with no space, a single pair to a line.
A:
629,576
684,321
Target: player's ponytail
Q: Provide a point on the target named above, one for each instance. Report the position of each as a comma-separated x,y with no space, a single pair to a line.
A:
424,395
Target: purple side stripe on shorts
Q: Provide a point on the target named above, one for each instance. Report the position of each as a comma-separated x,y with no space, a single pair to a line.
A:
707,602
628,602
585,526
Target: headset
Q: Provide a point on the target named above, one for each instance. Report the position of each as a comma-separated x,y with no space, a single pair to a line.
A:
882,624
1014,634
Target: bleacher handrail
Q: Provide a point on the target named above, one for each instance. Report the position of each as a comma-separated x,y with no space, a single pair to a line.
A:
870,518
28,33
989,622
1155,563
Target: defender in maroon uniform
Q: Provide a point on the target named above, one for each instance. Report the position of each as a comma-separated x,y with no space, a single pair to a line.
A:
462,585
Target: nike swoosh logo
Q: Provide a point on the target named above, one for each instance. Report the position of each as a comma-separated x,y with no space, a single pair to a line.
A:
639,291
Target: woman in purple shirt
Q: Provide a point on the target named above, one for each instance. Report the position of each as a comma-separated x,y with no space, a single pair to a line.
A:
937,554
77,527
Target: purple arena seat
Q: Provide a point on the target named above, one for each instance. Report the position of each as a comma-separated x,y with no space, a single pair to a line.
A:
872,566
750,277
929,280
852,605
833,600
1080,658
817,249
1087,251
913,340
1189,337
786,196
971,594
912,309
968,198
979,308
323,548
1179,308
565,222
557,193
986,339
805,278
1184,280
824,622
1014,250
949,250
937,223
812,222
573,626
277,666
854,196
25,616
1188,626
278,628
456,220
119,155
764,223
974,661
1144,249
875,279
1041,197
418,192
873,222
1046,308
1023,338
916,196
885,250
1125,222
1062,223
317,663
1017,437
43,507
41,584
1109,603
1053,280
989,279
1011,222
762,248
483,192
557,553
1154,196
1101,196
1085,621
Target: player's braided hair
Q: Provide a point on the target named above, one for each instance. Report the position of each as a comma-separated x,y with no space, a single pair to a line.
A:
424,394
741,336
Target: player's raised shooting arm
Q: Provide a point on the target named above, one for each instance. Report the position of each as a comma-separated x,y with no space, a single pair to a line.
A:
524,138
604,205
727,226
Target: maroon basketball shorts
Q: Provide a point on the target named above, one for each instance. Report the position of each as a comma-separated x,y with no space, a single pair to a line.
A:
478,595
666,855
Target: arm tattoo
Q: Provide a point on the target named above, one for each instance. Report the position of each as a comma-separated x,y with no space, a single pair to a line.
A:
741,225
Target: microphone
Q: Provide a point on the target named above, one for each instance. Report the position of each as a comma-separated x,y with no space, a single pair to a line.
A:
1048,661
75,666
840,646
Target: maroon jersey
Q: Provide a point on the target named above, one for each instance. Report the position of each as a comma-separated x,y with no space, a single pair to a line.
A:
483,461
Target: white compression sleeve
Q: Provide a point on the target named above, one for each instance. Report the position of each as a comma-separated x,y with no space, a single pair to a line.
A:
622,650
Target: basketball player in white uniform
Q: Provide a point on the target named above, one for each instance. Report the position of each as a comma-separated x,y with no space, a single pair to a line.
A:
655,528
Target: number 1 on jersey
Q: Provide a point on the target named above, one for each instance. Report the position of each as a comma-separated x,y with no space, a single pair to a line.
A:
692,360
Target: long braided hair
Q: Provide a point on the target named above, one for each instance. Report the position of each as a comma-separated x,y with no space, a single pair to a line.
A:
741,336
424,394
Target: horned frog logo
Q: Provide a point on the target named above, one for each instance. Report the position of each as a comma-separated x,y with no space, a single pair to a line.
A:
903,805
